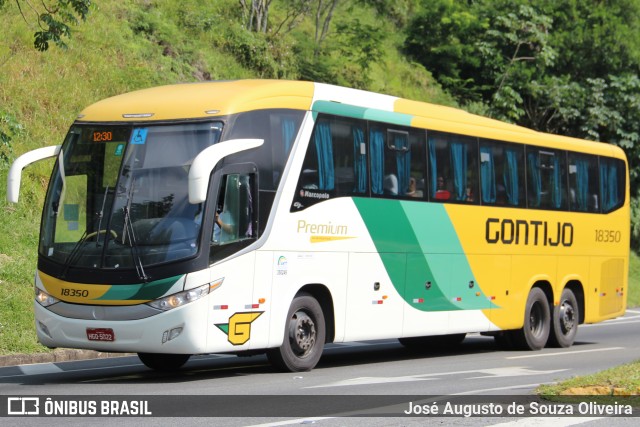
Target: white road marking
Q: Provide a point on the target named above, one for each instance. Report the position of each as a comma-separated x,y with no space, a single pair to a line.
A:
547,421
511,371
565,353
613,322
373,380
310,420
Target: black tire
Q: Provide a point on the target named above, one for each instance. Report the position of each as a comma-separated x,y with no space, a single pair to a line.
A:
537,322
164,362
304,337
566,317
432,343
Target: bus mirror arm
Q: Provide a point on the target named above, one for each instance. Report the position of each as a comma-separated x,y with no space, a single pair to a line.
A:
206,161
15,173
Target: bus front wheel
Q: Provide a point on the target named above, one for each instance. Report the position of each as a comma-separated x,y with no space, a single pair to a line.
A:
304,336
565,320
537,322
164,362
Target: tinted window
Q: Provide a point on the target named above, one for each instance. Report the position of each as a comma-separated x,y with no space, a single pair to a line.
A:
612,183
583,183
546,178
453,167
502,173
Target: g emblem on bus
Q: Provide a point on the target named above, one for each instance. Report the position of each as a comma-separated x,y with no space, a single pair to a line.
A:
238,329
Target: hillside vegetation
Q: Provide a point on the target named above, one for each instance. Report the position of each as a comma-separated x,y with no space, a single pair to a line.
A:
128,45
131,44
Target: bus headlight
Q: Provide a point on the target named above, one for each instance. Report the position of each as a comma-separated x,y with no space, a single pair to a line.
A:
44,299
182,298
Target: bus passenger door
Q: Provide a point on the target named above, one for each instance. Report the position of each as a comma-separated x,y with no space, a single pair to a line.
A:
374,305
237,310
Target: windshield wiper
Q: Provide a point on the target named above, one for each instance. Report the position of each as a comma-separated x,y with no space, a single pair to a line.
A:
72,254
85,236
128,230
101,215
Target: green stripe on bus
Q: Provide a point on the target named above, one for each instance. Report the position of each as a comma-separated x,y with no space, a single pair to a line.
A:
140,291
347,110
434,267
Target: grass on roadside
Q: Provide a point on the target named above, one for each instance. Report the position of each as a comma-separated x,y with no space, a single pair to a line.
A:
613,383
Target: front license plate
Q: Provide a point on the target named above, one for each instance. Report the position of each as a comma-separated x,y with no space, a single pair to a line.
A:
100,334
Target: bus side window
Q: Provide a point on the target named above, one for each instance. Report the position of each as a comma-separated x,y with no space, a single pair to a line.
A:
234,216
397,162
452,167
335,163
583,183
612,177
546,178
501,173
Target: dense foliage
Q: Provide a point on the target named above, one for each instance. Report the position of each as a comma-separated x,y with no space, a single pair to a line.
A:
563,66
560,66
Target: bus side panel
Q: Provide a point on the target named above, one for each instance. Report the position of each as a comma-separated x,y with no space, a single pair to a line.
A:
493,273
233,318
266,265
606,296
375,307
428,290
466,292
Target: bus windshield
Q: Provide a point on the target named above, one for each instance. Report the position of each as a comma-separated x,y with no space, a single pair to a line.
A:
119,196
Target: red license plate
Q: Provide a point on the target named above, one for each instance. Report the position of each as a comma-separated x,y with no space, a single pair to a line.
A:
100,334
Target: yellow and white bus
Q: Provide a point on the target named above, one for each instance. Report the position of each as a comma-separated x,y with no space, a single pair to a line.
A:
277,216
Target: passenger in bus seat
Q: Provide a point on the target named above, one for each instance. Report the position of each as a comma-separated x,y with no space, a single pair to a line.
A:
469,195
442,193
391,184
413,191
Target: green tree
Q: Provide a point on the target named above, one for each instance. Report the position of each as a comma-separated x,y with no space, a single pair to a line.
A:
53,19
362,44
441,37
515,51
561,66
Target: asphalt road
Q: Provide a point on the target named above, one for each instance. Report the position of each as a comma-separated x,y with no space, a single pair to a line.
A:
370,378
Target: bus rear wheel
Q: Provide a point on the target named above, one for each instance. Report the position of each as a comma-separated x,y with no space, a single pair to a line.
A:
303,337
565,320
164,362
537,322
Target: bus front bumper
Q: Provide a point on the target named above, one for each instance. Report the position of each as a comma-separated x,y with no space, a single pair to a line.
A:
182,330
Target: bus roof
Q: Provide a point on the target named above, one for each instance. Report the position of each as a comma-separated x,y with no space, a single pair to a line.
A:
200,100
219,98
